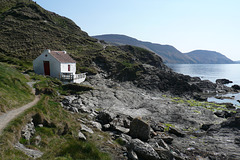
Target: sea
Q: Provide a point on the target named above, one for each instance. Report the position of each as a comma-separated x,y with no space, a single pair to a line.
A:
212,72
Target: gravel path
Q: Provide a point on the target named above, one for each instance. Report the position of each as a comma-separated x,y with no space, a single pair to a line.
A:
9,116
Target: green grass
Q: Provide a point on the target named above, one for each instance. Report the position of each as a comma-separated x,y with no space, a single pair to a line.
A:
54,144
14,92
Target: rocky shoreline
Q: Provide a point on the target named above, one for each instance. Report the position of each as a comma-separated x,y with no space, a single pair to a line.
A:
156,125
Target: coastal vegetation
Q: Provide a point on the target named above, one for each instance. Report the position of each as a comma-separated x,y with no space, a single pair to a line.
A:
207,105
56,141
14,92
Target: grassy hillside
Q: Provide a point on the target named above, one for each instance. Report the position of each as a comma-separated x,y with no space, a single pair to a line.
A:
26,29
59,134
14,92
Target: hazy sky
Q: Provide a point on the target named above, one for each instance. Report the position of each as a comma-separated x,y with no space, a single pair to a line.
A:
186,24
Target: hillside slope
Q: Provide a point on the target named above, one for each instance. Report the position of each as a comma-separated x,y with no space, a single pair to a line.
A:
168,53
209,57
26,29
14,92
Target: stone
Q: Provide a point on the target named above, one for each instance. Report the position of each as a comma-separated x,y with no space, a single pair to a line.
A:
205,127
122,129
223,81
84,109
157,126
106,126
86,129
40,125
163,144
168,139
139,129
236,87
30,152
66,102
81,136
126,123
96,125
73,109
232,122
104,118
132,155
37,140
237,141
164,153
143,150
176,132
223,114
126,138
28,131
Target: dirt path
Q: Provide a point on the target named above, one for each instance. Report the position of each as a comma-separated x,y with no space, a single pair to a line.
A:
9,116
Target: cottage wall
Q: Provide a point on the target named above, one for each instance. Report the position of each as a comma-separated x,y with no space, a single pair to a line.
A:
64,68
38,65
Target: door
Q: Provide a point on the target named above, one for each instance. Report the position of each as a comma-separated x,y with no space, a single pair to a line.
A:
46,68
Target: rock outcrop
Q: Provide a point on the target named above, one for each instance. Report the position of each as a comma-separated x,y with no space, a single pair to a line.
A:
174,130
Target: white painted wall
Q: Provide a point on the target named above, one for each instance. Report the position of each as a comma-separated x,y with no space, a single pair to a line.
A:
54,64
64,68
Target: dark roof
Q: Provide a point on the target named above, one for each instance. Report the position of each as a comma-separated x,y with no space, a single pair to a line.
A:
62,56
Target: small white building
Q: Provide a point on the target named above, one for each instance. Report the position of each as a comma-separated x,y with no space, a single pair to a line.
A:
58,64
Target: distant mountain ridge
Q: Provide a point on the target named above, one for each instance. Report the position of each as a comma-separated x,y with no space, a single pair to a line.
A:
168,53
208,57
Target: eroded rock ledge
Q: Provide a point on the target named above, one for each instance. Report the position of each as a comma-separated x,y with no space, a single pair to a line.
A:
176,130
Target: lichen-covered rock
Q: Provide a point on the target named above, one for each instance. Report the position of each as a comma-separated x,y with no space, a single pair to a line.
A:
139,129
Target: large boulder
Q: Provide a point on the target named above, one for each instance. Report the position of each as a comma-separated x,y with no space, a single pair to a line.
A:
139,129
143,150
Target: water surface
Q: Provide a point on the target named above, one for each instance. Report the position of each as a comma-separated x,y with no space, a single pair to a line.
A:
212,72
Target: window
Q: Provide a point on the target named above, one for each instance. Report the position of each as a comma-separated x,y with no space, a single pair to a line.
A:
69,67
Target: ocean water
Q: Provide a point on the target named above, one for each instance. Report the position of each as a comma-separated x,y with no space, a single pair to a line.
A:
212,72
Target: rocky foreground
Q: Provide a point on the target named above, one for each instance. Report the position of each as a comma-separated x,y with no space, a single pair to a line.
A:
153,125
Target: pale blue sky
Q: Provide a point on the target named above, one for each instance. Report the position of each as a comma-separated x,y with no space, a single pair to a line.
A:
186,24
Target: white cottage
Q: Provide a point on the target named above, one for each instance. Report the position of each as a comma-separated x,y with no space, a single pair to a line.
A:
58,64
